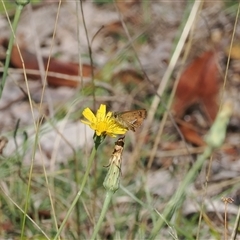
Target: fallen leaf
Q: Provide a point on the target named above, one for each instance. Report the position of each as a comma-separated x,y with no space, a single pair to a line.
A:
232,151
128,76
191,135
114,28
55,66
130,10
198,84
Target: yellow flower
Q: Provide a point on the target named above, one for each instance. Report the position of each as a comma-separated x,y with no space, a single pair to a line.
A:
102,123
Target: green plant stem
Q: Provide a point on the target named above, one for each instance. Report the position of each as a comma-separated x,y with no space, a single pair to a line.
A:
10,46
28,199
90,161
178,197
107,201
236,226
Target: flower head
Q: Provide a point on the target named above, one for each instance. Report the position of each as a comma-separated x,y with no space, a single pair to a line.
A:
102,123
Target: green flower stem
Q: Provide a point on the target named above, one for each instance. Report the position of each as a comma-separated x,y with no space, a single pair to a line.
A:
178,197
22,2
107,201
111,182
20,5
97,141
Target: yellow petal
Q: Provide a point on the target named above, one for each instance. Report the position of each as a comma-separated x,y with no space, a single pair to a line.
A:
86,122
88,114
111,135
101,113
109,114
98,132
120,130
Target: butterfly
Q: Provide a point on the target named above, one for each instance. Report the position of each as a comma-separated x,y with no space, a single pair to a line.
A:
130,119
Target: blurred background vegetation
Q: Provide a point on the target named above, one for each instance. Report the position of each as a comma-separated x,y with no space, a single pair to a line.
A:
69,55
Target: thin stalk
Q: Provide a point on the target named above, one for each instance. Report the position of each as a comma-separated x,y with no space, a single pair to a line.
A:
236,225
29,181
90,162
179,196
90,55
214,140
111,182
10,46
107,201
